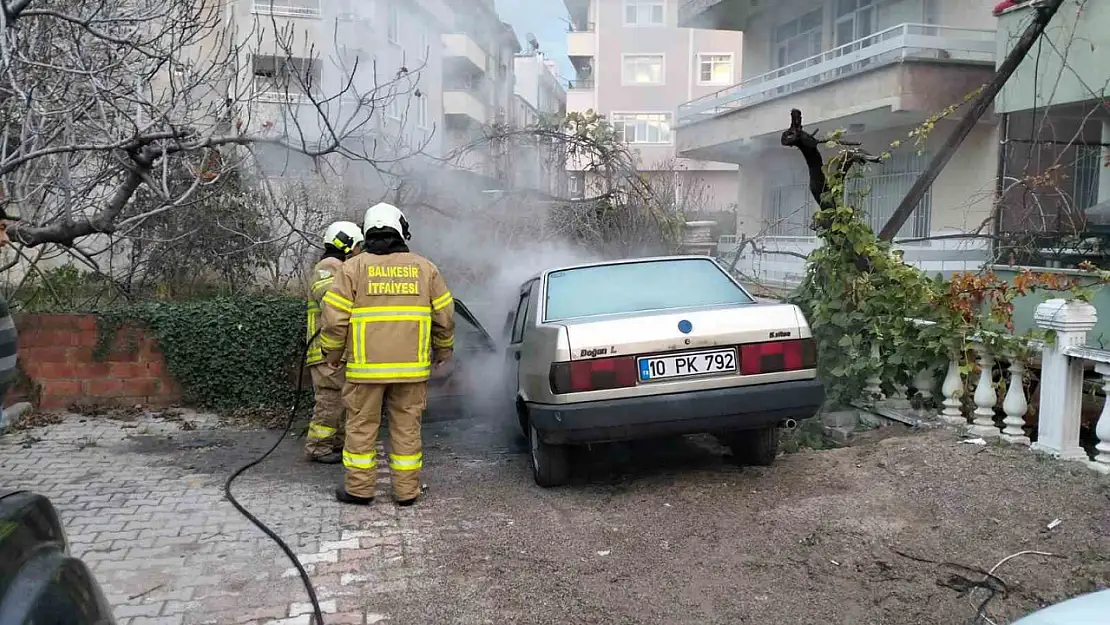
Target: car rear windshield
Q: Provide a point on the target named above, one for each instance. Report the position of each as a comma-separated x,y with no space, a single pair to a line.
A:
633,287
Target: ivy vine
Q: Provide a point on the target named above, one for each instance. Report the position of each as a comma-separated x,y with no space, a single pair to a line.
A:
866,305
227,353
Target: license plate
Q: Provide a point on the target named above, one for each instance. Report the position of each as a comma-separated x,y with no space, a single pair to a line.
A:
685,365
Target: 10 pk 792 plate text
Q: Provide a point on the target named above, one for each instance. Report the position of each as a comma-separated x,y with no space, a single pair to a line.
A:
683,365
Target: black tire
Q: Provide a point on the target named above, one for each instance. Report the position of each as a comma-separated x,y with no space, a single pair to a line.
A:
756,447
550,463
522,417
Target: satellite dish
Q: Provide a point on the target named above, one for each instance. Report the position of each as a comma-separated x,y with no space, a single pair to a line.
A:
533,43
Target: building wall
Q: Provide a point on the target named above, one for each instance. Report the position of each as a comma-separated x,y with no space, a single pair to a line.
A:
336,40
680,48
961,199
1072,68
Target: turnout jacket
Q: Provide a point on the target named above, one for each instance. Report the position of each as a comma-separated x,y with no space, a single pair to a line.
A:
323,274
388,313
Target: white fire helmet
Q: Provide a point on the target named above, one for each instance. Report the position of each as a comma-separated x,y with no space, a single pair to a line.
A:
384,215
343,236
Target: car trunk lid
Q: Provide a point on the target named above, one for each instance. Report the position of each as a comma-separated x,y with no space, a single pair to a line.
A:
683,330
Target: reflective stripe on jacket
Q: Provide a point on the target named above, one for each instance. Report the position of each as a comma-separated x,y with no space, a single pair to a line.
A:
388,312
322,276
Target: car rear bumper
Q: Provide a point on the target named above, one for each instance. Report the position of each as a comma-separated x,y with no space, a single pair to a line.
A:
712,411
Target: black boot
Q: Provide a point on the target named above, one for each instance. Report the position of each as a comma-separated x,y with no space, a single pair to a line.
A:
334,457
404,503
342,496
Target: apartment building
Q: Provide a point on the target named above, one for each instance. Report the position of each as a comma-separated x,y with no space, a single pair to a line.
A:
478,85
386,53
538,165
874,68
635,65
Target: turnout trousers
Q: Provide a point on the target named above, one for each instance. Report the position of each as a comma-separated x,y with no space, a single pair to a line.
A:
325,432
405,403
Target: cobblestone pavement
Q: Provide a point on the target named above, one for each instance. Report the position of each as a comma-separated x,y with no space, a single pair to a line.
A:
142,504
651,534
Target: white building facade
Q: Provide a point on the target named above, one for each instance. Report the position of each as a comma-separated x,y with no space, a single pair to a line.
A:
877,69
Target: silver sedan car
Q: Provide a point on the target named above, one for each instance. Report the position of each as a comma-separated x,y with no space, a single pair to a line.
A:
654,347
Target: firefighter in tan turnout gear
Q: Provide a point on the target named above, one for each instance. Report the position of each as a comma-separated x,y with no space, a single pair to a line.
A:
325,432
390,313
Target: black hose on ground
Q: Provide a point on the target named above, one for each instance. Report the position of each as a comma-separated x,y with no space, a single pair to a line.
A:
309,588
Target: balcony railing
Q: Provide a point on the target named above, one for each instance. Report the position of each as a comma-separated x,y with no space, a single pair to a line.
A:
281,7
581,84
895,45
581,27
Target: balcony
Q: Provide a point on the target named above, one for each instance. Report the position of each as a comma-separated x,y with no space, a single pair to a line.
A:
895,78
288,8
907,42
464,106
465,53
582,42
581,100
580,84
1070,64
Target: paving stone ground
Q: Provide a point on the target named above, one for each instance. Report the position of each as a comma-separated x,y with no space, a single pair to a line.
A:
169,549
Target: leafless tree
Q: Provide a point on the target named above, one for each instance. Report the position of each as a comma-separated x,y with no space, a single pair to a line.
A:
118,113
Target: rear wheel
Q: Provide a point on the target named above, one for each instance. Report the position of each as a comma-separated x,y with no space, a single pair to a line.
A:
755,447
550,463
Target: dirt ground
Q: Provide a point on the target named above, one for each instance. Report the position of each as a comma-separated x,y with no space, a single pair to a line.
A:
886,531
670,532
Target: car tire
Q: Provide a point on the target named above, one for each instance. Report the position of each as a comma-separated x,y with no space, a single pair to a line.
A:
756,447
550,463
521,416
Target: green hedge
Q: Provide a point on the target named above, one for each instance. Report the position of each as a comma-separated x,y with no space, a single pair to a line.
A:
227,353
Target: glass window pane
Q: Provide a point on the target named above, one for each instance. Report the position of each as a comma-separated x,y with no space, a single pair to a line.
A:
630,13
639,286
657,14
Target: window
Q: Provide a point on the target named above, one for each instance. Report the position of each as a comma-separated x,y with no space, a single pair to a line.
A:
798,39
425,44
639,286
642,127
642,69
393,25
521,313
422,111
644,12
715,69
576,182
284,78
393,107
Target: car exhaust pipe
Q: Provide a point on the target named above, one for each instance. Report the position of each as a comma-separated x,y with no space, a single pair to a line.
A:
789,424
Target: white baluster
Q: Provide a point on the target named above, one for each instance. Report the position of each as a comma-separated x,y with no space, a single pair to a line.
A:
1061,404
1015,405
953,389
985,397
1102,428
874,390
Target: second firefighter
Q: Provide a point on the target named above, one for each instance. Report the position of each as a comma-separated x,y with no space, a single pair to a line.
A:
325,432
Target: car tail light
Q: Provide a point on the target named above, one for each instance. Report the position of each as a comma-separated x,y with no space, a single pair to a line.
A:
593,375
777,356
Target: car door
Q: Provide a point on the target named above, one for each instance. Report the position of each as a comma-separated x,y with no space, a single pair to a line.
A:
516,340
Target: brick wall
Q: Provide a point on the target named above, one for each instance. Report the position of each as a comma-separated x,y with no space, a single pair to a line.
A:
59,370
